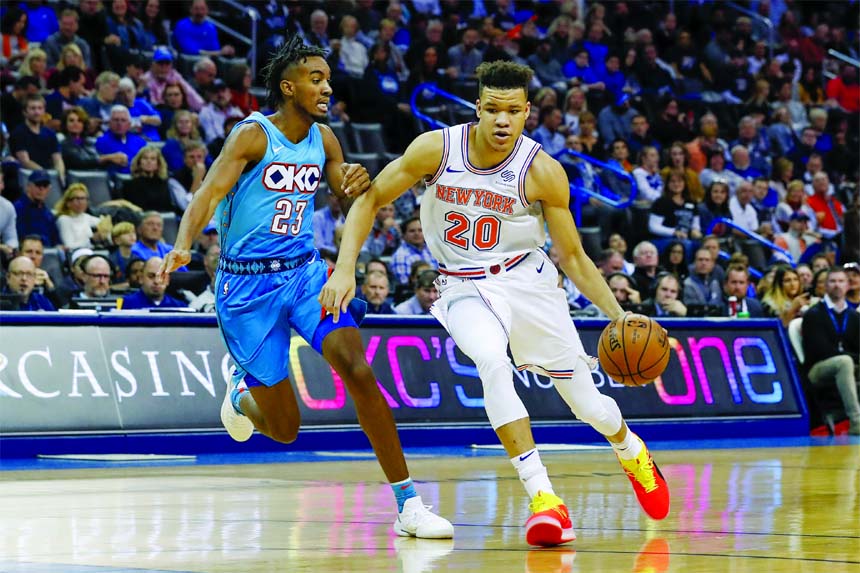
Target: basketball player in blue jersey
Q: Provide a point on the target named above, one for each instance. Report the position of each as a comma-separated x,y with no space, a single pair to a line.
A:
269,275
490,193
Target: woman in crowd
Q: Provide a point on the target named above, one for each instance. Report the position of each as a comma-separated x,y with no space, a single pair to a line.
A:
147,187
13,31
784,298
71,55
174,101
76,152
716,169
124,25
152,23
79,229
36,64
674,216
673,260
183,131
715,205
678,159
588,135
647,175
781,176
239,81
575,105
795,202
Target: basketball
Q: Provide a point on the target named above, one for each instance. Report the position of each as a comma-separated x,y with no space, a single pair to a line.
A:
633,350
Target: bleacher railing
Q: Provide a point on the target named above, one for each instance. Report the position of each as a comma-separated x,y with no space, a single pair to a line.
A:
578,193
251,42
756,16
752,235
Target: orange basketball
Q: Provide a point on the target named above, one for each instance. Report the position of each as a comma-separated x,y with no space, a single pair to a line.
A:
633,350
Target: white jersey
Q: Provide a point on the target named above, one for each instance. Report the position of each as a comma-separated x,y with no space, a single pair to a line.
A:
472,217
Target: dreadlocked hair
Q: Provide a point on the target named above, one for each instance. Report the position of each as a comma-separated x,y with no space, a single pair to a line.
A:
503,75
291,52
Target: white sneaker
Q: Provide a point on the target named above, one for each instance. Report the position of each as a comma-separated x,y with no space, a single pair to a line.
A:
421,555
238,426
416,520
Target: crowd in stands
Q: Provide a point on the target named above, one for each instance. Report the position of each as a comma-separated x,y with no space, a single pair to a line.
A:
735,151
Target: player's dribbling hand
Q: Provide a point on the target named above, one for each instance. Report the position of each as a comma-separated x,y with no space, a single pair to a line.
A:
337,293
173,260
356,179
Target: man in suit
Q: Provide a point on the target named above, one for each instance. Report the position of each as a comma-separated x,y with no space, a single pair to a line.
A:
666,301
737,285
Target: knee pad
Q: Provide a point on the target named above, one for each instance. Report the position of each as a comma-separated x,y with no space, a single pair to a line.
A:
600,412
501,401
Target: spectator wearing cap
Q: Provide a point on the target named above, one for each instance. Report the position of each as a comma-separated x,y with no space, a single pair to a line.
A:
33,216
797,238
614,121
162,73
736,284
831,344
67,34
413,248
118,138
325,221
20,282
35,146
145,121
197,36
213,114
152,290
424,297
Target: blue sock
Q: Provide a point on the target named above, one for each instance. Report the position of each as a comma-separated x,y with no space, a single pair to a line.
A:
403,490
236,398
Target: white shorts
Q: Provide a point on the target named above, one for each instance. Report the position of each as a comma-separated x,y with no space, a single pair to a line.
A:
531,308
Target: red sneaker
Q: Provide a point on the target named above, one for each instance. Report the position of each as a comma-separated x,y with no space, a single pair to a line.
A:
648,483
550,521
653,557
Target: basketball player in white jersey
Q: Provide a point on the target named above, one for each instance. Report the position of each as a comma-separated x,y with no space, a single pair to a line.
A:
490,190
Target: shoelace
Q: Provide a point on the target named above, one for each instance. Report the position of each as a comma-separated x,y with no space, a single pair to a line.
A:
644,474
547,502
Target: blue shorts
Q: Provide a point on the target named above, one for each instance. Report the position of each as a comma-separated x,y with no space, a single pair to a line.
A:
256,311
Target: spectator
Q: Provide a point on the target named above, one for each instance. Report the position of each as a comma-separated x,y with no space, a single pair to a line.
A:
465,56
92,27
666,293
796,239
843,92
145,121
375,291
743,213
831,345
575,105
148,188
781,133
204,71
213,114
412,248
615,120
759,103
741,165
67,34
14,37
715,205
737,284
13,103
77,153
548,134
205,301
384,237
673,260
755,142
589,136
196,36
640,137
162,74
152,22
124,237
150,242
185,182
432,38
818,121
42,20
819,286
647,175
118,138
820,262
71,57
852,296
351,53
804,272
239,81
424,297
96,276
36,64
78,228
20,281
784,298
671,125
99,106
764,202
828,210
33,216
688,65
716,171
134,273
174,102
217,144
655,75
809,88
708,139
678,160
674,215
620,157
580,73
152,290
702,287
618,243
33,248
624,291
128,29
783,170
547,69
8,227
34,145
795,202
646,260
318,34
325,221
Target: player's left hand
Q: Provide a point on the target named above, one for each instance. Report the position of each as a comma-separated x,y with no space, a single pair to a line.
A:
356,179
337,293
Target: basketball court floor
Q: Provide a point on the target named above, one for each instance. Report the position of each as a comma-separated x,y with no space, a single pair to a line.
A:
738,507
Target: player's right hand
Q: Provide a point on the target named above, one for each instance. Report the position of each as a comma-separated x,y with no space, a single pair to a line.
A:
337,293
174,259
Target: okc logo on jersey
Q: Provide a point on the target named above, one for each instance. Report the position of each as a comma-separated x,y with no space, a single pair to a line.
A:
288,177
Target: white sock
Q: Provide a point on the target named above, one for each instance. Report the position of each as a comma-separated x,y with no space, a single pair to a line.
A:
532,472
629,448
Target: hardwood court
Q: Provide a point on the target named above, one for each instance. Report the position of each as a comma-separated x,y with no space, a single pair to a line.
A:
734,511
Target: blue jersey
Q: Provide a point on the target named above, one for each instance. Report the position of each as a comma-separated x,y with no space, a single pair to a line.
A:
269,212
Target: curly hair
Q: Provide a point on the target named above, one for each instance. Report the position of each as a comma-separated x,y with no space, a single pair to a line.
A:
503,75
291,52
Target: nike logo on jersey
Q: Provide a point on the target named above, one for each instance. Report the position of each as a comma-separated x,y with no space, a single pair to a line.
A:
449,170
277,149
540,268
525,457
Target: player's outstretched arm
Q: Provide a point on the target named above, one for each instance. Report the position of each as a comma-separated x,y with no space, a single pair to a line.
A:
547,182
347,180
246,143
420,160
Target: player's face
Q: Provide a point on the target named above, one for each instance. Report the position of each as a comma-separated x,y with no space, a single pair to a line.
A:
502,115
308,83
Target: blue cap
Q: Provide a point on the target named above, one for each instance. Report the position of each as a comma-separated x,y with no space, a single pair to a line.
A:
162,54
39,176
210,229
621,99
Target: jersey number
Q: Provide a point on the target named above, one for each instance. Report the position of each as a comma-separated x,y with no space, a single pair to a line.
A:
485,231
281,222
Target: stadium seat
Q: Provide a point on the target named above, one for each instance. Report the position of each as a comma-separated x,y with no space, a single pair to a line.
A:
371,161
591,241
369,139
341,132
97,182
171,227
185,64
